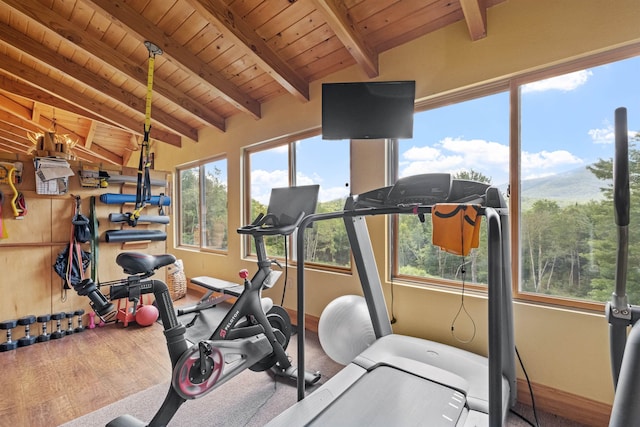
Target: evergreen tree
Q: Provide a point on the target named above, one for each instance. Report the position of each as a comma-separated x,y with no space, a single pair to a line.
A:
606,245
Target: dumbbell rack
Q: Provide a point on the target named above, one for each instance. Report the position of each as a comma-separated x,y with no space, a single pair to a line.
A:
27,322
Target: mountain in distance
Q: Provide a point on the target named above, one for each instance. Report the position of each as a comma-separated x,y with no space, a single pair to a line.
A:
574,186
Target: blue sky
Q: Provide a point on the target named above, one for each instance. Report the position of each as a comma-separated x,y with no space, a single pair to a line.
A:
566,123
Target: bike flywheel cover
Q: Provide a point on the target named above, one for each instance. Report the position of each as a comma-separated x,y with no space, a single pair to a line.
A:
192,382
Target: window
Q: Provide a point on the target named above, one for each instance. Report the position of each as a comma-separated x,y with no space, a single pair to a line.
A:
556,129
470,140
567,233
304,161
203,205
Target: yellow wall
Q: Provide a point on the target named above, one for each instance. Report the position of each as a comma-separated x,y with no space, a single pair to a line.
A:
562,349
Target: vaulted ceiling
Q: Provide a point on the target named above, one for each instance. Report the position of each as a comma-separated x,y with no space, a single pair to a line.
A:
84,63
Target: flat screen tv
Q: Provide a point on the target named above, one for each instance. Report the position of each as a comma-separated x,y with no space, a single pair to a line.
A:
368,110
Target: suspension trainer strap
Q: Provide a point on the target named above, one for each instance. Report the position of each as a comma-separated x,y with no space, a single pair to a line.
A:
95,238
143,188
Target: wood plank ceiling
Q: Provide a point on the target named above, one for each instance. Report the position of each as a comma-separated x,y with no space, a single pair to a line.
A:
83,63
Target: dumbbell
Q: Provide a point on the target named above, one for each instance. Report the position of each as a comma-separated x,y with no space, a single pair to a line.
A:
27,339
8,325
44,320
58,333
79,313
69,316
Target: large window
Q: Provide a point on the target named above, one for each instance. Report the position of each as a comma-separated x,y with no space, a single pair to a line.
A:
203,205
567,232
304,161
470,140
546,141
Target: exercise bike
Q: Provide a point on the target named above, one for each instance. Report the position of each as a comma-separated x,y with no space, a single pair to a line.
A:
253,334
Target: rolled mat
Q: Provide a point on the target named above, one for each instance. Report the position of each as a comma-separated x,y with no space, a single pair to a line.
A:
156,219
115,179
114,236
117,199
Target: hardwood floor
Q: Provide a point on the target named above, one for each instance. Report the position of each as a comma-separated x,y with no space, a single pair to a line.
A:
50,383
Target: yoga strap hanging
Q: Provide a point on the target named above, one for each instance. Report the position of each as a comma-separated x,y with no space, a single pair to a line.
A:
143,187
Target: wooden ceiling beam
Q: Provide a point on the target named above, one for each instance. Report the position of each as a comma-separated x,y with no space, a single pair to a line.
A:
244,37
11,119
20,111
17,140
24,90
90,134
62,28
475,15
27,91
101,153
127,18
340,21
44,124
52,86
49,58
9,148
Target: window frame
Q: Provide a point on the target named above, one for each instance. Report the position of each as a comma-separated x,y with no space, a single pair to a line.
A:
290,141
200,164
512,85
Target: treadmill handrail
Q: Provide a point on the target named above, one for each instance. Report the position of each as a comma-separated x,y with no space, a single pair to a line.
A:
497,366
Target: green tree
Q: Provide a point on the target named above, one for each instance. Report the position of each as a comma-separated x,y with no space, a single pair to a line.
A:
605,245
417,256
539,245
189,203
327,241
215,199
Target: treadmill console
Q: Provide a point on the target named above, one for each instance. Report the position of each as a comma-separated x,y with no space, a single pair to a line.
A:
420,189
425,189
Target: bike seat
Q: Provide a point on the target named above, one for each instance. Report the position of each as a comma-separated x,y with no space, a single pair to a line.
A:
136,262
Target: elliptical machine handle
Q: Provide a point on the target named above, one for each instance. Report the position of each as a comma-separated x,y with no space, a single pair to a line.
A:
621,198
618,310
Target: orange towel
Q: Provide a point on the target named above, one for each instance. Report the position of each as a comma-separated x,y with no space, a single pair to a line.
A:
456,227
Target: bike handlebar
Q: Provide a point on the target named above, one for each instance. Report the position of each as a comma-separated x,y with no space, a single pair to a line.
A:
260,226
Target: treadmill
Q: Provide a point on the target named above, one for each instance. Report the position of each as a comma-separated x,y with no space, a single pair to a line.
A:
402,380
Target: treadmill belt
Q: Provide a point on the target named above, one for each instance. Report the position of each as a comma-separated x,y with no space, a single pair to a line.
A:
415,402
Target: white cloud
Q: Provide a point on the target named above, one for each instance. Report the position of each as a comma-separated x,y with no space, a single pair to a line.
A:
607,135
544,163
564,83
263,181
490,158
456,154
602,136
333,193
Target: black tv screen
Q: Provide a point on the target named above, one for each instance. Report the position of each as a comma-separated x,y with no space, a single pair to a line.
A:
368,110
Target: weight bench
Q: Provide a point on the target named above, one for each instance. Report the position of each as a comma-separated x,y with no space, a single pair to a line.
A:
217,285
226,289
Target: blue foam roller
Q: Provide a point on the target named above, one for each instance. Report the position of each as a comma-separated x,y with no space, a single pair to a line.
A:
118,199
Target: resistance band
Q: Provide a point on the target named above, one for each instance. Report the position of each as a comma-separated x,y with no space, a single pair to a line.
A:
143,188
